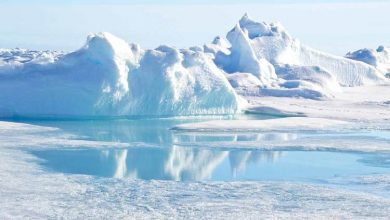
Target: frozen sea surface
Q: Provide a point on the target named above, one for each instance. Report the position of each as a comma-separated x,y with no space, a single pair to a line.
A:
140,168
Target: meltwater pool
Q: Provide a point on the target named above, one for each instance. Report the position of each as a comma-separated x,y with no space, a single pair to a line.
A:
168,155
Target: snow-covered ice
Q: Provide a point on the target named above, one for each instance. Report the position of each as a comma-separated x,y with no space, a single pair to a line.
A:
365,105
110,77
379,58
285,66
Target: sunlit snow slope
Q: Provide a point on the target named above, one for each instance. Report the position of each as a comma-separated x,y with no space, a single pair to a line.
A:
109,77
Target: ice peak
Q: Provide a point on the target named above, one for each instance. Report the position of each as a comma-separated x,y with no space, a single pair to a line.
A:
245,17
217,40
258,29
380,49
105,45
254,28
221,41
106,48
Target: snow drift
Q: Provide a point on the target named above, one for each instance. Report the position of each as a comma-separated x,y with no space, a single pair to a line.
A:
109,77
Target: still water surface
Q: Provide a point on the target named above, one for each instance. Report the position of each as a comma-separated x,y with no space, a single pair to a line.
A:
165,159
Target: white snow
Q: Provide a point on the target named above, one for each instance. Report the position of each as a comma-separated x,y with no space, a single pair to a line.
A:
366,105
379,58
179,82
355,108
285,66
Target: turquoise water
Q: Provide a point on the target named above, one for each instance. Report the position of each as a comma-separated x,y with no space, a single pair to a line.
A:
170,155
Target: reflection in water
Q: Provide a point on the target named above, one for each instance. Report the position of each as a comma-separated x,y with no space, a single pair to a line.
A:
193,164
239,159
121,166
196,164
171,162
175,163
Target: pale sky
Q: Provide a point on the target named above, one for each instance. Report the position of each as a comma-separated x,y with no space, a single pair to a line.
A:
333,27
164,2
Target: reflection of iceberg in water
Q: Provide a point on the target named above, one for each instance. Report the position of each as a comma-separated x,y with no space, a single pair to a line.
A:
193,164
121,168
118,158
240,159
174,163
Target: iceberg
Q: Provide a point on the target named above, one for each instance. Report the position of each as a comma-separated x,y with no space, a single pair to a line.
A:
285,66
109,77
